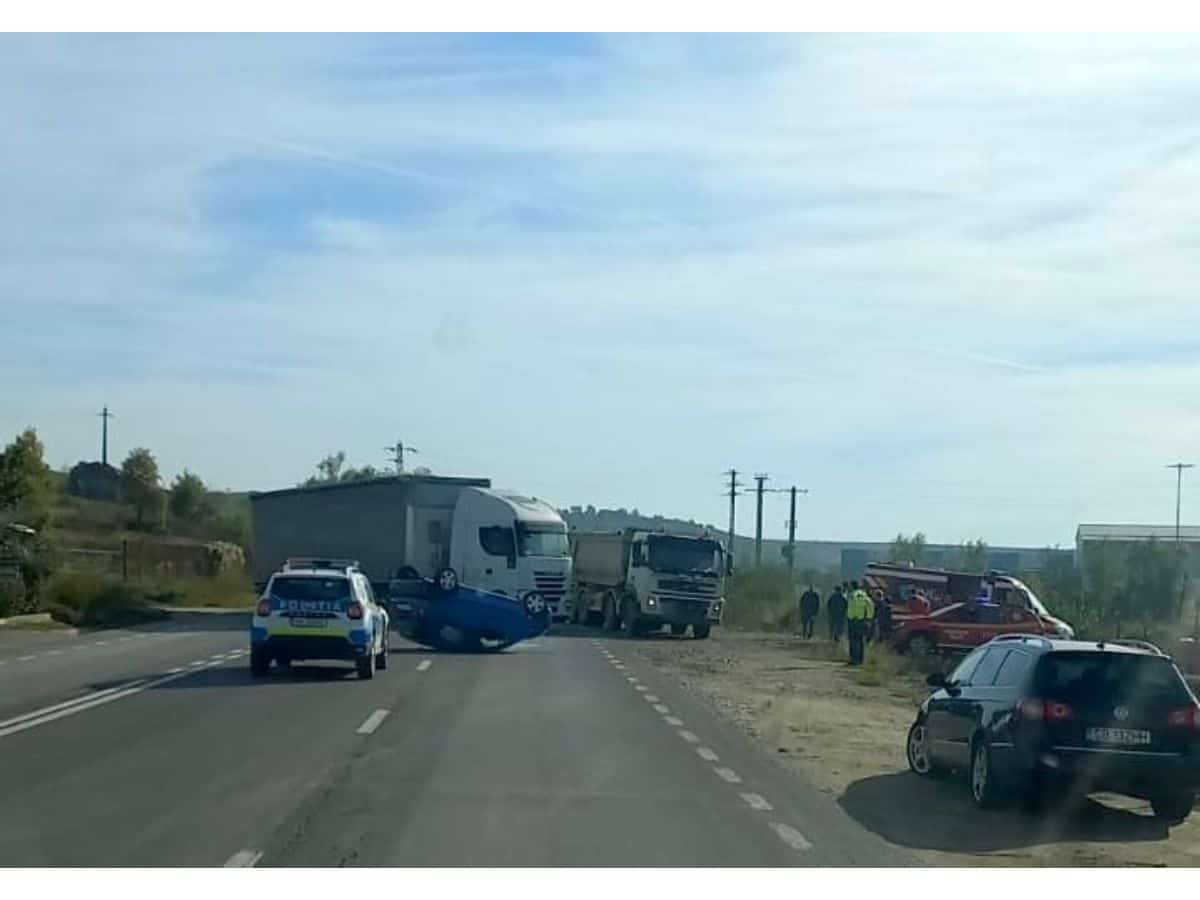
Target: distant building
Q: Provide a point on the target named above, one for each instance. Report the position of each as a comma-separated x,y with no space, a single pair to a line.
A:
94,481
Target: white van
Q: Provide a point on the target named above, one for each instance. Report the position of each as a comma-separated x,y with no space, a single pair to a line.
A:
511,544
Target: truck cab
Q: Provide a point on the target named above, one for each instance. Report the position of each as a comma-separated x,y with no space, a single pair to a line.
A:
511,544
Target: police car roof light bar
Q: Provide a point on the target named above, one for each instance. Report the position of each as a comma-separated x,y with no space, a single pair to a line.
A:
319,562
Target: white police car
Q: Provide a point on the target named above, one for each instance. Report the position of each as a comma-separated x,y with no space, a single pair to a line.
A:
319,609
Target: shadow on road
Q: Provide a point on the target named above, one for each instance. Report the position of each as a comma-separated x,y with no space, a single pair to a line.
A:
581,631
948,821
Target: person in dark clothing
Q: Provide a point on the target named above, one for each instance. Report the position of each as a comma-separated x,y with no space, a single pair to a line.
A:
836,607
883,617
810,605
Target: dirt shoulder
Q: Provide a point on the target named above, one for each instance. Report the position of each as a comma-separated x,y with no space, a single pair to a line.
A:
843,731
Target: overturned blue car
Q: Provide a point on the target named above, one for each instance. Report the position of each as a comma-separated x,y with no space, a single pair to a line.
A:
441,613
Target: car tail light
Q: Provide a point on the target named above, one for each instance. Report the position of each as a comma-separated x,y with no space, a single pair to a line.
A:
1185,717
1034,710
354,611
264,607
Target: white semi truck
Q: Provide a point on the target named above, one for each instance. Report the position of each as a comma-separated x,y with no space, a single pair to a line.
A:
640,581
415,525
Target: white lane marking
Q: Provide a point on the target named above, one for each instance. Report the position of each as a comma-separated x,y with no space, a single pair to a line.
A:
26,658
84,698
689,737
707,754
632,680
199,662
62,710
640,687
619,666
661,708
175,671
791,836
424,664
728,775
650,698
673,720
373,721
757,801
243,859
100,643
54,652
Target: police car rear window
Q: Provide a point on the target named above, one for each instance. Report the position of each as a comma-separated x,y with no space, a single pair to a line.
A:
311,588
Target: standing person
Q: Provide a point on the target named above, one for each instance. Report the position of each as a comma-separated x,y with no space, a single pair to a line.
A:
859,612
810,605
836,609
883,616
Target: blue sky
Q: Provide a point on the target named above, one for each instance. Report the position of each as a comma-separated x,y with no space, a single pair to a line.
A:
947,284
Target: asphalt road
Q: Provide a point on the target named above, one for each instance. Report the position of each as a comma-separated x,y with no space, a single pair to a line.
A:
154,747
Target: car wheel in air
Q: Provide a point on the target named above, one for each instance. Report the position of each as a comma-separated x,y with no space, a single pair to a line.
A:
535,604
700,632
1173,808
260,662
984,789
366,666
916,748
446,581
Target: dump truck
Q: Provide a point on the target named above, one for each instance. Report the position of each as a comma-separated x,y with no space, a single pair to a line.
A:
639,581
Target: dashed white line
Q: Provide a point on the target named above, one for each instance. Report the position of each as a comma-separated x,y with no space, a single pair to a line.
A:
707,754
661,708
728,775
54,652
175,671
424,664
99,643
25,658
673,720
619,666
650,698
199,662
757,801
243,859
632,680
373,721
689,737
791,836
640,687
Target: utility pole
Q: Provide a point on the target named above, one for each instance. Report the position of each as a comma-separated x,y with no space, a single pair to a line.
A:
397,450
734,484
760,478
1179,467
104,415
792,527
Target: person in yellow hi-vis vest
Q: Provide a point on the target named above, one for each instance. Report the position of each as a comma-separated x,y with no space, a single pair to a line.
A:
859,613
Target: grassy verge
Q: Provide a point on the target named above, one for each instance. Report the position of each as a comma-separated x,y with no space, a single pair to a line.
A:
230,590
95,601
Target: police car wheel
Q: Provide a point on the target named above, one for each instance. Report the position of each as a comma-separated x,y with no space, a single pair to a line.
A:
381,661
260,663
535,604
366,667
447,581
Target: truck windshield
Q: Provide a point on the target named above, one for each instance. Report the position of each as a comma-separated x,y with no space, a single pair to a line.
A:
680,556
542,541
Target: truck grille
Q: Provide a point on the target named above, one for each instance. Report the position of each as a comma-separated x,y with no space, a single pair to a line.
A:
692,588
550,585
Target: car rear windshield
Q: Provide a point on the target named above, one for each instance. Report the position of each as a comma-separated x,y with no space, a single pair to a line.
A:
1110,678
328,589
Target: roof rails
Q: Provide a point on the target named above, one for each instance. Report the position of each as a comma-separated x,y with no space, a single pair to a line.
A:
1138,645
1045,642
319,562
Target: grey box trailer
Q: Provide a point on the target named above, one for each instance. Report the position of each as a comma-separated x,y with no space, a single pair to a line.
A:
384,523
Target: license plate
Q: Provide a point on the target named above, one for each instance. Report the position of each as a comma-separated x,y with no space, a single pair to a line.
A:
1117,736
307,623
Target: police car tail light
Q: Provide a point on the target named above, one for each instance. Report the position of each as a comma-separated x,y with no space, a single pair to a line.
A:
1185,717
354,611
264,607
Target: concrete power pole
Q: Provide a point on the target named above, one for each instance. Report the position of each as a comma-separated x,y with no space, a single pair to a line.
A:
1179,467
734,484
397,450
760,478
104,415
792,527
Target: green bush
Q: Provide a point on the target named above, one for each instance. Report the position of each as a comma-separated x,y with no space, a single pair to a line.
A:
94,600
760,599
229,589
